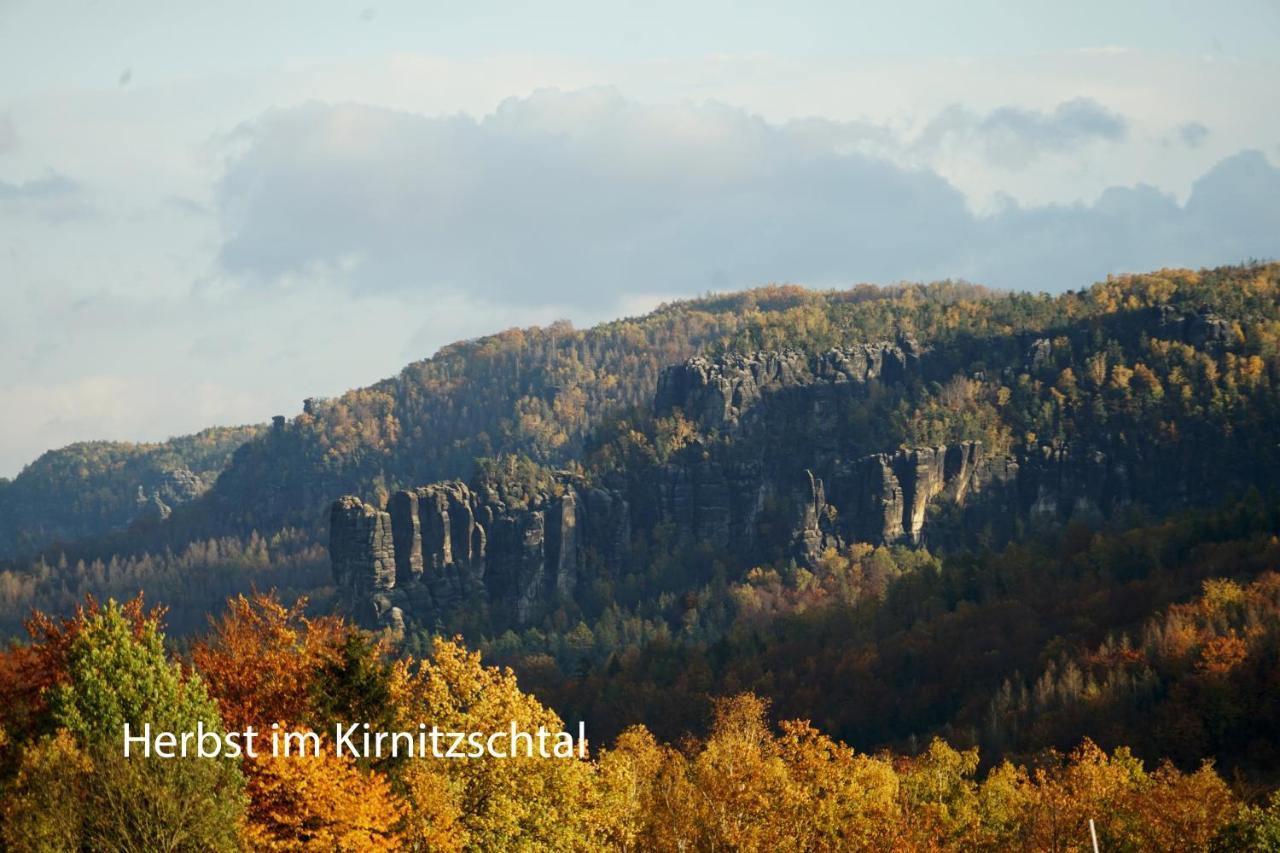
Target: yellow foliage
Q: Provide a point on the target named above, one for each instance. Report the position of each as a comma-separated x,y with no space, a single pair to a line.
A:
320,803
502,802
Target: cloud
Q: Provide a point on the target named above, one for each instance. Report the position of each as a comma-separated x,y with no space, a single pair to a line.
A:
113,406
1193,134
1013,136
569,197
588,198
46,187
1229,217
49,197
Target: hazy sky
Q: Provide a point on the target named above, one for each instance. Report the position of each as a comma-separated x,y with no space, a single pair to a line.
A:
208,214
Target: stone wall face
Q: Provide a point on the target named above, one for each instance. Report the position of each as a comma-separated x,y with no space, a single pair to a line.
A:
363,557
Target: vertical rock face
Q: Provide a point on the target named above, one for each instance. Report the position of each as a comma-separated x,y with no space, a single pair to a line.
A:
920,474
872,497
445,546
360,545
406,536
786,405
814,533
884,498
363,557
562,544
452,541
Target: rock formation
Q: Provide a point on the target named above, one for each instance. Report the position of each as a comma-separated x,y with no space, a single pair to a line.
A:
363,557
445,546
716,393
770,473
171,488
1203,329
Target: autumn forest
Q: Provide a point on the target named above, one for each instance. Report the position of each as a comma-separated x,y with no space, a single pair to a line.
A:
922,567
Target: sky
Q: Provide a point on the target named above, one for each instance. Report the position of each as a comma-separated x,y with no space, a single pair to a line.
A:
209,212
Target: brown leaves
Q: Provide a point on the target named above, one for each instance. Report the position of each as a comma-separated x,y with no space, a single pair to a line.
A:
260,658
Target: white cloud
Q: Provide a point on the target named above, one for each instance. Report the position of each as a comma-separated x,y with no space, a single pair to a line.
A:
571,197
1013,137
588,197
812,176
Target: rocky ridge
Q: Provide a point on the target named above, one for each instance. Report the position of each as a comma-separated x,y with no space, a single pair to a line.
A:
770,473
446,545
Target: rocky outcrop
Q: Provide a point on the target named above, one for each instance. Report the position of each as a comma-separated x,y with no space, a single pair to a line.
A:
716,393
1202,329
735,487
363,557
445,546
771,473
172,488
885,497
782,412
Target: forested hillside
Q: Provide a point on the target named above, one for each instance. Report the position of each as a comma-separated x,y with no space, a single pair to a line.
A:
902,512
750,784
96,487
537,392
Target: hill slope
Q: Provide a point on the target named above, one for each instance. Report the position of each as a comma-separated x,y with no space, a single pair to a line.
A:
875,507
96,487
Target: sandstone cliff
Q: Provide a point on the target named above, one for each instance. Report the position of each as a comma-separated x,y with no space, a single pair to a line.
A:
773,471
718,392
449,545
445,546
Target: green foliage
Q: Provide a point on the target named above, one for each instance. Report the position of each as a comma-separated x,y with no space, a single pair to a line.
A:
1255,828
116,674
116,671
355,686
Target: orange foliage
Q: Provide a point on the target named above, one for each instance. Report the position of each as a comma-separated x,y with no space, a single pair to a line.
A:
320,803
259,658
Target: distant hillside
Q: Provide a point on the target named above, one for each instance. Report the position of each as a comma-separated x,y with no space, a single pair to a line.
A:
97,487
977,423
900,517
